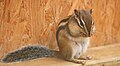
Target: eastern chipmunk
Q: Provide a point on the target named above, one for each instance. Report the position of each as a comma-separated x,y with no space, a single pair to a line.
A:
73,35
72,38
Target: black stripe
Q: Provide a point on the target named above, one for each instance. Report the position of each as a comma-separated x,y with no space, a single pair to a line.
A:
64,20
63,26
57,33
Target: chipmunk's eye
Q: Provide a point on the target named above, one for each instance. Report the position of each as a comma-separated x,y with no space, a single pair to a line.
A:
81,23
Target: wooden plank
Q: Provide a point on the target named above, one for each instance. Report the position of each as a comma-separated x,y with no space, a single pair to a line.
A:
102,56
24,22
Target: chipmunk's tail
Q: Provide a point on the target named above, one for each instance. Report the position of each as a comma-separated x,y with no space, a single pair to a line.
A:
28,53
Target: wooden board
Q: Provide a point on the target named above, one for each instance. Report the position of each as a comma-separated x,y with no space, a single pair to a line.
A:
101,56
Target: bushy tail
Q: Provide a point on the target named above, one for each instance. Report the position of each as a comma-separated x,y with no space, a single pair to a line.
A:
28,53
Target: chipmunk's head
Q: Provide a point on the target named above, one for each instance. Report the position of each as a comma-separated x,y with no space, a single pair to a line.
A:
85,22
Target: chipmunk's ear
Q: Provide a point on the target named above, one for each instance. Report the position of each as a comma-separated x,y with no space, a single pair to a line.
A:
76,13
91,11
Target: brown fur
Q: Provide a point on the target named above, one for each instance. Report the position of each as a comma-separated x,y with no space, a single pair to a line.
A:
72,39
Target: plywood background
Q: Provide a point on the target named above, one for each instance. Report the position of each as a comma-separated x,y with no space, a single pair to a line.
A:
28,22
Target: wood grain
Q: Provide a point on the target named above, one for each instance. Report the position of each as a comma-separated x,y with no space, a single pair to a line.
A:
28,22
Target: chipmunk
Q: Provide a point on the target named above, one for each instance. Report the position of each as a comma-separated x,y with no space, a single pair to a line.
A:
73,36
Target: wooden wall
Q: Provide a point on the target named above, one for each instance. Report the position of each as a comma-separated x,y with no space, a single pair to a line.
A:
28,22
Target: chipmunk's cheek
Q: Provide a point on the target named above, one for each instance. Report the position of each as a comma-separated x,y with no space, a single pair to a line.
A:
92,31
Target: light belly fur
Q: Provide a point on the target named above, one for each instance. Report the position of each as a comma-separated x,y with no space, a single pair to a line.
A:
80,47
